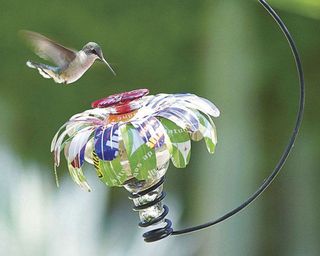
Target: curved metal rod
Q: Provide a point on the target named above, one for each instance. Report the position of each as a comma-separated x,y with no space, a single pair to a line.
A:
290,145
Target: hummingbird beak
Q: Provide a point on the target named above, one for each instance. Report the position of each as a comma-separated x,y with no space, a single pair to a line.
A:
103,59
100,55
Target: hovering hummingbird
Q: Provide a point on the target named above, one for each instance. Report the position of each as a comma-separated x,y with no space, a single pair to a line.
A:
70,64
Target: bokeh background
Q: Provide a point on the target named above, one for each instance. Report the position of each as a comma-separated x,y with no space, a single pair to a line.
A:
230,52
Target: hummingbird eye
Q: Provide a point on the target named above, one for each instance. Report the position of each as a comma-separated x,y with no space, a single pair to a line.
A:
93,51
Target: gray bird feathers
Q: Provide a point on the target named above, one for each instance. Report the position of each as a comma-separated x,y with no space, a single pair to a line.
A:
70,64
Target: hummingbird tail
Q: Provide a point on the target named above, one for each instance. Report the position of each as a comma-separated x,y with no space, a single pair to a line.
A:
43,69
46,71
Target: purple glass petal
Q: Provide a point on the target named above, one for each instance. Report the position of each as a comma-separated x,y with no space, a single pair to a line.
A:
158,100
172,117
186,116
150,131
81,156
106,142
194,101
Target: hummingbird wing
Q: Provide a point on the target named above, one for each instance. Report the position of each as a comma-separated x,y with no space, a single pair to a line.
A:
48,49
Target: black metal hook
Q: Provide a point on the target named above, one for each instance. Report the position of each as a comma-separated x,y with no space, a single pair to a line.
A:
292,139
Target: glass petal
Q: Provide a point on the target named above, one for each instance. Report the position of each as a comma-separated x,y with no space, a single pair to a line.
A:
181,145
106,142
142,158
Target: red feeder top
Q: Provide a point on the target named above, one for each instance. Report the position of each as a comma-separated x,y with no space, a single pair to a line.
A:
120,103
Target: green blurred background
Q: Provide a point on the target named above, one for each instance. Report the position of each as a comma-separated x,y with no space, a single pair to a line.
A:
230,52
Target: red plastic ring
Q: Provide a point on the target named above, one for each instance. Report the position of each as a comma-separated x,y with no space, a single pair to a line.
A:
119,98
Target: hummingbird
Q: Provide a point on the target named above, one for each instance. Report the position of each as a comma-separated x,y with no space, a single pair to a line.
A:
70,64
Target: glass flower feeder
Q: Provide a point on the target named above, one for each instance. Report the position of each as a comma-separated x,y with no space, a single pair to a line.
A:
130,138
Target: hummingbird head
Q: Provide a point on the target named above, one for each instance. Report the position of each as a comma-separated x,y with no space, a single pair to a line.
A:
93,49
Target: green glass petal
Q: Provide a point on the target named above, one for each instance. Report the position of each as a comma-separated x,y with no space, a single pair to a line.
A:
78,177
181,154
175,132
121,174
102,171
208,132
126,136
110,172
210,145
142,159
180,140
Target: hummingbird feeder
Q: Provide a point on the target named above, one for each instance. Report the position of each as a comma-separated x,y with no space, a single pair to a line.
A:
130,138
